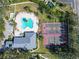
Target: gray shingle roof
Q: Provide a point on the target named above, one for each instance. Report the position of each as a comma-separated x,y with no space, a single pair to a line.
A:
28,41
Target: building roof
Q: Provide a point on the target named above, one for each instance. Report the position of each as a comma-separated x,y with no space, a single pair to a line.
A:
8,44
54,33
27,41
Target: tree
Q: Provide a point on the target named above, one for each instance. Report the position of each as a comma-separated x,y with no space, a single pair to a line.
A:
16,54
2,28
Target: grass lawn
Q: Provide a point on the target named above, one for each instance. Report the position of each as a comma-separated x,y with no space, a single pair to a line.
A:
16,1
43,18
41,47
31,6
47,54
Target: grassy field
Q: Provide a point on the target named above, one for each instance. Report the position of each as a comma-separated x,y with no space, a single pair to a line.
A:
31,6
47,54
41,47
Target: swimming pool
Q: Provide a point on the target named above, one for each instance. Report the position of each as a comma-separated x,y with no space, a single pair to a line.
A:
26,23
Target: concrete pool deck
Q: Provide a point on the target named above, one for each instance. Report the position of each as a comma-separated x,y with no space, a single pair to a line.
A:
28,16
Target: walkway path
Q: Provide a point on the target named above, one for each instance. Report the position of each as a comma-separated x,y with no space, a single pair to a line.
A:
42,56
21,3
38,46
14,4
37,49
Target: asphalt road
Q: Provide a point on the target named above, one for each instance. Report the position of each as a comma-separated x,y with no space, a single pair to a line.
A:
77,6
77,10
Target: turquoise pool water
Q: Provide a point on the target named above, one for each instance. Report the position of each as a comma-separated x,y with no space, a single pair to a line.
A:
26,23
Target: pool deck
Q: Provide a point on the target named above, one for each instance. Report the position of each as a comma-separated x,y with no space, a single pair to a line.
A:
26,15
